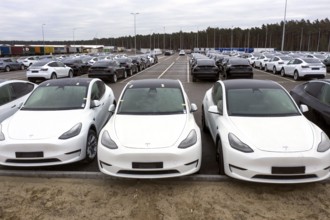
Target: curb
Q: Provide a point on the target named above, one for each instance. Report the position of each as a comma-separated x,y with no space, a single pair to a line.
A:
99,175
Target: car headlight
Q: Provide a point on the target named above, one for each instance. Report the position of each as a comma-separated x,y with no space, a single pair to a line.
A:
107,141
74,131
324,145
2,136
238,144
190,140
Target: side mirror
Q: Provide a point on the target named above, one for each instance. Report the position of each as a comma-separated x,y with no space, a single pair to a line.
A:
193,107
95,103
214,109
303,108
112,108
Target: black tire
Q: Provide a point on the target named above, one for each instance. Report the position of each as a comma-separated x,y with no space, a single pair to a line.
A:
204,126
114,78
125,74
130,72
7,68
266,70
274,70
220,161
91,146
70,75
296,75
282,72
32,80
53,76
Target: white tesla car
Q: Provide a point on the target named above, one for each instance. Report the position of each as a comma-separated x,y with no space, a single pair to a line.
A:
58,124
261,135
48,69
12,95
152,133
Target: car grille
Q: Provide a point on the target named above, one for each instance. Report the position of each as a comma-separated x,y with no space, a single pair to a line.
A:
25,161
29,154
284,177
153,165
288,170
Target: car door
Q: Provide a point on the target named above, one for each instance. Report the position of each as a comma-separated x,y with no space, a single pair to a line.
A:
289,68
62,70
99,112
215,99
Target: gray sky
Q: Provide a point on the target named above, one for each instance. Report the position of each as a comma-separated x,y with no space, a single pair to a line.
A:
86,19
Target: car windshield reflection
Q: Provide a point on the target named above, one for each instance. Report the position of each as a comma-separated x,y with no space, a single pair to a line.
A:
152,101
262,102
57,98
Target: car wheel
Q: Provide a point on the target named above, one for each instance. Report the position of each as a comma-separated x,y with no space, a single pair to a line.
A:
254,65
282,72
53,76
220,158
204,126
7,68
91,146
31,80
296,75
274,70
266,68
70,74
114,78
125,74
130,73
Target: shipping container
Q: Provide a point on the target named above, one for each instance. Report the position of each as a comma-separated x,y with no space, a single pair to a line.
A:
16,50
49,50
5,51
60,50
37,50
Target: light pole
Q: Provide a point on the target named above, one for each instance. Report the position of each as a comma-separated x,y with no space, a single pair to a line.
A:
231,39
164,40
43,36
74,43
283,32
134,14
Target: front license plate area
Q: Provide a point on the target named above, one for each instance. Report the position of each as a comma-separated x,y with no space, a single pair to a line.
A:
152,165
38,154
288,170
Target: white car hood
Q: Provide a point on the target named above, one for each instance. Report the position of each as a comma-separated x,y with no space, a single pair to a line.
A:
37,125
276,134
157,131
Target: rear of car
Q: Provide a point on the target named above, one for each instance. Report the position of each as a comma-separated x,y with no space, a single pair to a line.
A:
238,67
204,69
312,68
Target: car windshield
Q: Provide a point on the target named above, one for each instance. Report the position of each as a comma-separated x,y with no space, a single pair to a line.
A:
286,58
103,64
260,102
311,60
239,62
57,98
40,63
152,101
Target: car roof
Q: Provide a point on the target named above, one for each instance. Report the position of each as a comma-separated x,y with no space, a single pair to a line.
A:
250,83
67,82
147,83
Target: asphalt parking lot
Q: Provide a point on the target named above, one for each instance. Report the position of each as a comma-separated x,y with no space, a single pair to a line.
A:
171,67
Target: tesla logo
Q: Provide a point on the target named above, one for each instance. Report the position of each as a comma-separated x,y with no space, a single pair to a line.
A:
147,144
285,147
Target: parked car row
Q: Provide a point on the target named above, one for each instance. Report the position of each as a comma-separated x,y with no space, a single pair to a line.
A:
152,132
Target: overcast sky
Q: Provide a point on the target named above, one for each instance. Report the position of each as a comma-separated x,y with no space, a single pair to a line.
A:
88,19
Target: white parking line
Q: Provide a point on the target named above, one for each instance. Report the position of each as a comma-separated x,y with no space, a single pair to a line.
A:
125,80
165,71
280,77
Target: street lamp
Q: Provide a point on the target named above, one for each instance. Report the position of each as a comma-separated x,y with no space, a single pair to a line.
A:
134,14
43,36
231,39
164,40
74,43
283,32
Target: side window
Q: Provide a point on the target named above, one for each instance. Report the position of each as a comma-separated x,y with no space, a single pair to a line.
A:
52,64
60,64
314,89
21,89
101,88
95,92
5,95
217,93
325,94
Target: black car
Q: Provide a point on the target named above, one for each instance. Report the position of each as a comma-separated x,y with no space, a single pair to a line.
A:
8,64
130,67
237,67
139,62
78,66
326,62
204,69
316,95
107,70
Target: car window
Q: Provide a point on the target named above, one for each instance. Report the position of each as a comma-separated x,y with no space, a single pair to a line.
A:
57,97
152,101
96,93
260,102
60,64
216,93
325,94
53,64
314,89
5,94
21,89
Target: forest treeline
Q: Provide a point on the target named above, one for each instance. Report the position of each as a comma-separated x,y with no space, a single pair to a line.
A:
302,35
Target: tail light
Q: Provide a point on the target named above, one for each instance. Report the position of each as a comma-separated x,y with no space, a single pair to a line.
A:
44,69
280,62
303,66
